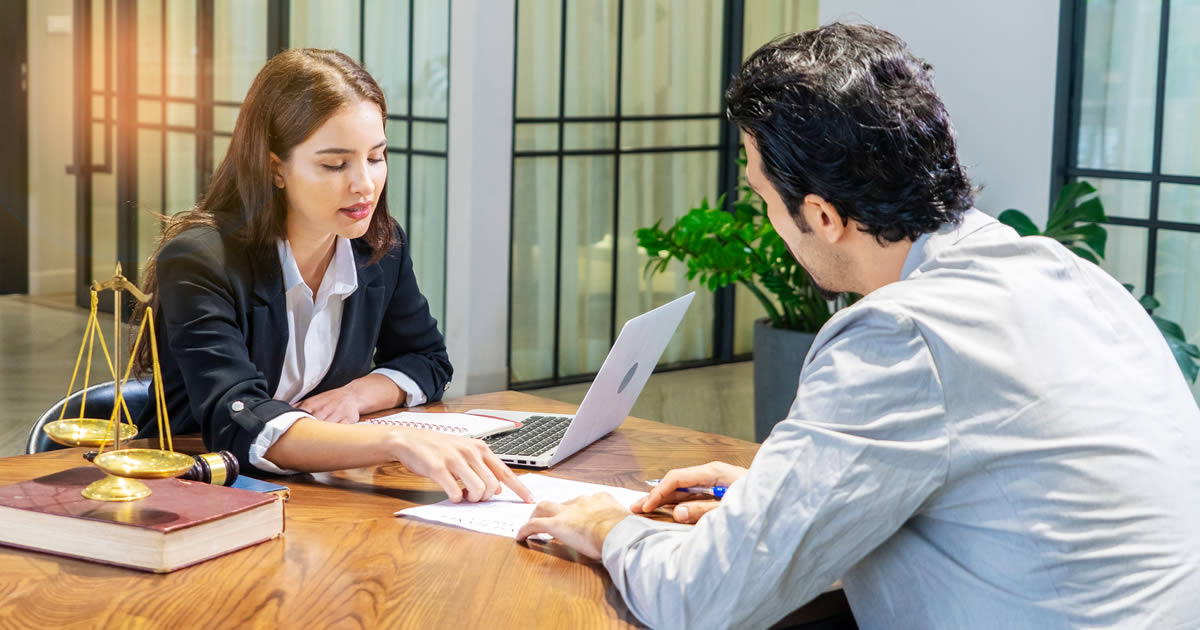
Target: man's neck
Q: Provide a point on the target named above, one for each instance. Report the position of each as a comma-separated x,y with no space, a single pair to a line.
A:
879,265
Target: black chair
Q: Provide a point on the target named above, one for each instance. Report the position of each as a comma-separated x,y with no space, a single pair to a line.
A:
99,405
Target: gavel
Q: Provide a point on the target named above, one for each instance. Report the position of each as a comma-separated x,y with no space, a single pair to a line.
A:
220,468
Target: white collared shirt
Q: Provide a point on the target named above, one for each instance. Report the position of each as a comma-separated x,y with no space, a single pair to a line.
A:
314,325
1001,439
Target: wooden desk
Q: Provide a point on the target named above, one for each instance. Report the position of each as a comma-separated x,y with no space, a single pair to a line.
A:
345,561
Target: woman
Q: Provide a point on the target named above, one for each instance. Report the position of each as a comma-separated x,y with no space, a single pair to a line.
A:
277,292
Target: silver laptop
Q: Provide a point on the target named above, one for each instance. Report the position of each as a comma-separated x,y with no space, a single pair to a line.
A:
546,439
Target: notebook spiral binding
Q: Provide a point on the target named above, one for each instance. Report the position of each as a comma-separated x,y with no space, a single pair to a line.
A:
441,428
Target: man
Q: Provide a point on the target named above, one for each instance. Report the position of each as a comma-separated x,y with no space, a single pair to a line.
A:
995,436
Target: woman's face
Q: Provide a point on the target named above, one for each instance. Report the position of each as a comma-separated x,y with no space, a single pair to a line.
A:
333,180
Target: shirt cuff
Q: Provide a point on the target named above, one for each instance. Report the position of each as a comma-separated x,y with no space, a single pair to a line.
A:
403,381
628,532
617,549
274,429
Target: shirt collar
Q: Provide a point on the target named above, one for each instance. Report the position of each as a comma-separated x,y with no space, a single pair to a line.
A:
345,271
927,246
341,278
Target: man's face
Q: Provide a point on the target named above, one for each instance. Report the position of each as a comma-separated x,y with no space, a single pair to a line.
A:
813,254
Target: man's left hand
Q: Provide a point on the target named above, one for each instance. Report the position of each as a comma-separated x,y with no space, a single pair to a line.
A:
582,523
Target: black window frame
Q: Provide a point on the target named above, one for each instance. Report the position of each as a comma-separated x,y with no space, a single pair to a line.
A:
728,149
1068,103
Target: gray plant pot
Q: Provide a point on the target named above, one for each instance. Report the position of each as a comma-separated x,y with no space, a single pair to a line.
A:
778,357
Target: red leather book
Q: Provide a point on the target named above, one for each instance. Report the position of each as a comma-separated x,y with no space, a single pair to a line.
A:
179,524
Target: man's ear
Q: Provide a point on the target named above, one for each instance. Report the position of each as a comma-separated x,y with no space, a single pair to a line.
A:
276,170
823,219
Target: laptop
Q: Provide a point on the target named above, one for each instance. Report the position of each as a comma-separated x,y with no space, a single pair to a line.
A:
547,439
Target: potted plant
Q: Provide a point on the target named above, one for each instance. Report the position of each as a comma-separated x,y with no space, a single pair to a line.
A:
1075,222
721,247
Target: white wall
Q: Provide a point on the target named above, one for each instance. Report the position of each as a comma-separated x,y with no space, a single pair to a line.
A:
477,203
995,67
51,190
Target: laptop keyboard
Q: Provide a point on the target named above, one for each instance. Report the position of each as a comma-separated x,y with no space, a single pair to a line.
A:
537,435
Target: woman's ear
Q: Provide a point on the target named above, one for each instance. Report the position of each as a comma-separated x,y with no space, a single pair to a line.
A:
277,171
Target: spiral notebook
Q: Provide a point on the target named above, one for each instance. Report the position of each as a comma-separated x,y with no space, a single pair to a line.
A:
464,424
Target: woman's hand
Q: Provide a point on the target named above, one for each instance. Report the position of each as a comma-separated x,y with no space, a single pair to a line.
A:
345,404
448,460
690,506
339,405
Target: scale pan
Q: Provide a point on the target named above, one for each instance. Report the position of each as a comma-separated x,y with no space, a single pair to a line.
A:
144,463
91,432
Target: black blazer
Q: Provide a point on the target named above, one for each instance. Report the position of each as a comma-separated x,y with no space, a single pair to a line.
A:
222,334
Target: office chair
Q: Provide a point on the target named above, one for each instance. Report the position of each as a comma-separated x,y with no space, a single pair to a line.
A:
99,405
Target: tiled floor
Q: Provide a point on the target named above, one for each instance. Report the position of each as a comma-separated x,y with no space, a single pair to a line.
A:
40,337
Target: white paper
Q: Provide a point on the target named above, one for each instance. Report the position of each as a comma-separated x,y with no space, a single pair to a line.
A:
505,513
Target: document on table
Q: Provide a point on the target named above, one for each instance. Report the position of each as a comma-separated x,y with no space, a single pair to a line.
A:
505,513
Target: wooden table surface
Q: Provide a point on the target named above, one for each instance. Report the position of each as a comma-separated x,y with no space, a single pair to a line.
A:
345,561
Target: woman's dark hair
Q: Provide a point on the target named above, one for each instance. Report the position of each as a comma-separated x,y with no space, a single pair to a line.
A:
292,96
846,112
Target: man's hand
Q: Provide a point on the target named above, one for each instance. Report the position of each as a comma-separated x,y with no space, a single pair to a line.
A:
582,523
690,506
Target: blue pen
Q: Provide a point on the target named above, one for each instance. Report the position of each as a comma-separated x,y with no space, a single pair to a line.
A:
716,491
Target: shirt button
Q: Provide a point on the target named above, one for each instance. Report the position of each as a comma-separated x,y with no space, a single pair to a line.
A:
237,406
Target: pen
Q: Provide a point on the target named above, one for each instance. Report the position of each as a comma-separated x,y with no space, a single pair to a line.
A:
716,491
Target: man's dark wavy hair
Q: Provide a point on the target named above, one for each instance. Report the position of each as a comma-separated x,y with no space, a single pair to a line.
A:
848,113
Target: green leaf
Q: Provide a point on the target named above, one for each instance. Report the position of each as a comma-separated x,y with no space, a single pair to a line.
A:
1186,364
1087,213
1185,354
1191,350
1169,328
1148,302
1096,237
1060,215
1091,210
1084,254
1018,221
1092,235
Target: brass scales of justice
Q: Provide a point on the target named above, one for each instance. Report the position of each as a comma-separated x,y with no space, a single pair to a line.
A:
125,466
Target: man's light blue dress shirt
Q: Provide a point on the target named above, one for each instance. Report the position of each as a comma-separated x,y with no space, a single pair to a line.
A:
1001,439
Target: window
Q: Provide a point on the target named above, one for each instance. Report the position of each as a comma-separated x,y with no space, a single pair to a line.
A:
618,123
1131,125
146,59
